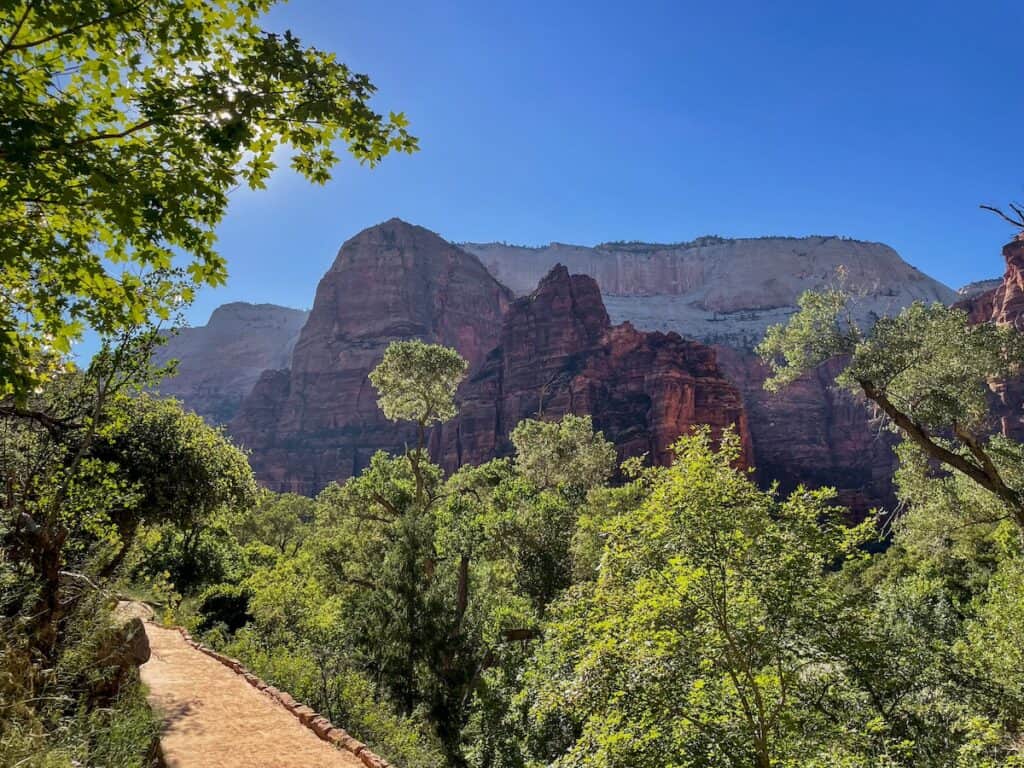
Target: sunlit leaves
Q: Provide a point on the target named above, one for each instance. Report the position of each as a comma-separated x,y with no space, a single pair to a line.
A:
125,125
417,381
567,452
688,648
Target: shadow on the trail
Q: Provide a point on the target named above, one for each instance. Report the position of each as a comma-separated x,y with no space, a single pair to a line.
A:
175,718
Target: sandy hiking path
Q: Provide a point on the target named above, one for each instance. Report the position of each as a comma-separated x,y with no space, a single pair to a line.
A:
214,719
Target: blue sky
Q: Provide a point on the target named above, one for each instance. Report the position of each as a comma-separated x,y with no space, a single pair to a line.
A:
662,121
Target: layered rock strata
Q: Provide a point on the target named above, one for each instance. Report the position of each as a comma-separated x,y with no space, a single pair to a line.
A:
220,362
726,292
318,421
558,353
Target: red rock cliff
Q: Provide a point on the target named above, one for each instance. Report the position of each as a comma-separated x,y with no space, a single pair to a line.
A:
1004,303
814,433
559,354
319,421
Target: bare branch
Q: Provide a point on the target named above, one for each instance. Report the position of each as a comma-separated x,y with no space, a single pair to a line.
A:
1018,222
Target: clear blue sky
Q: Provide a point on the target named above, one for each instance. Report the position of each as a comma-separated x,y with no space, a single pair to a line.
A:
593,121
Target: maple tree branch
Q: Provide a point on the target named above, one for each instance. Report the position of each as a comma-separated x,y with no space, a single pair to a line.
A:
71,30
17,29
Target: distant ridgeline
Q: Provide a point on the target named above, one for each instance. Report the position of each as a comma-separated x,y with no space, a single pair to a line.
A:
292,387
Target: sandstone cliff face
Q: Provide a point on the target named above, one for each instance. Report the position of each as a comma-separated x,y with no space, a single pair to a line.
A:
558,353
977,288
716,290
725,293
814,433
220,362
1003,303
319,420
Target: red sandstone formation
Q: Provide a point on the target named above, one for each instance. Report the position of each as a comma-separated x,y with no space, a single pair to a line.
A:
1003,304
559,354
319,421
814,433
220,362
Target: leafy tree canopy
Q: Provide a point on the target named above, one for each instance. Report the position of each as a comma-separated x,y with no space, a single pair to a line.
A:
567,452
689,648
124,125
416,381
927,369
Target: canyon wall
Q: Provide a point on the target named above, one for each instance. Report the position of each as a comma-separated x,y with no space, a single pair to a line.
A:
1003,303
220,362
318,421
726,293
558,353
619,347
552,352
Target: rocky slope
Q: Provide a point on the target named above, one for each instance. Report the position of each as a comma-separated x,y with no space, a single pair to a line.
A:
726,292
558,353
1003,302
977,288
220,362
318,421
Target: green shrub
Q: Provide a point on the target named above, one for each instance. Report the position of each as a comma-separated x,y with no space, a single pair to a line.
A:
223,604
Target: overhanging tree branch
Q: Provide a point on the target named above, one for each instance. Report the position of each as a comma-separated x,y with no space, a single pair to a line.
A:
9,43
69,30
978,473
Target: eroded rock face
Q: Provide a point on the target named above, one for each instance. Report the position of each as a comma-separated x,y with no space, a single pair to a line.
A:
220,362
1003,302
814,433
977,288
318,421
726,293
717,290
559,353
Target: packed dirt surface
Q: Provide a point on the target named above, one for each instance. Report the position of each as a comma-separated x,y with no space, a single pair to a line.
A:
214,719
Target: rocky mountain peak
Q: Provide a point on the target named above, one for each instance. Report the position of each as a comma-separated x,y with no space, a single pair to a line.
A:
219,363
559,354
319,420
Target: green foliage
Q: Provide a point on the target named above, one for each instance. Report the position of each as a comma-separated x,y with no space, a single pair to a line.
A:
225,605
417,381
85,711
303,639
280,521
565,453
819,331
934,365
927,370
928,360
181,468
690,647
126,126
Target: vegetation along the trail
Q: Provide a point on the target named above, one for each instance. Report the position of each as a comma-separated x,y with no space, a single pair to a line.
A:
554,607
124,126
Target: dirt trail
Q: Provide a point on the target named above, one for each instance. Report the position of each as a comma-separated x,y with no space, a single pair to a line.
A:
214,719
